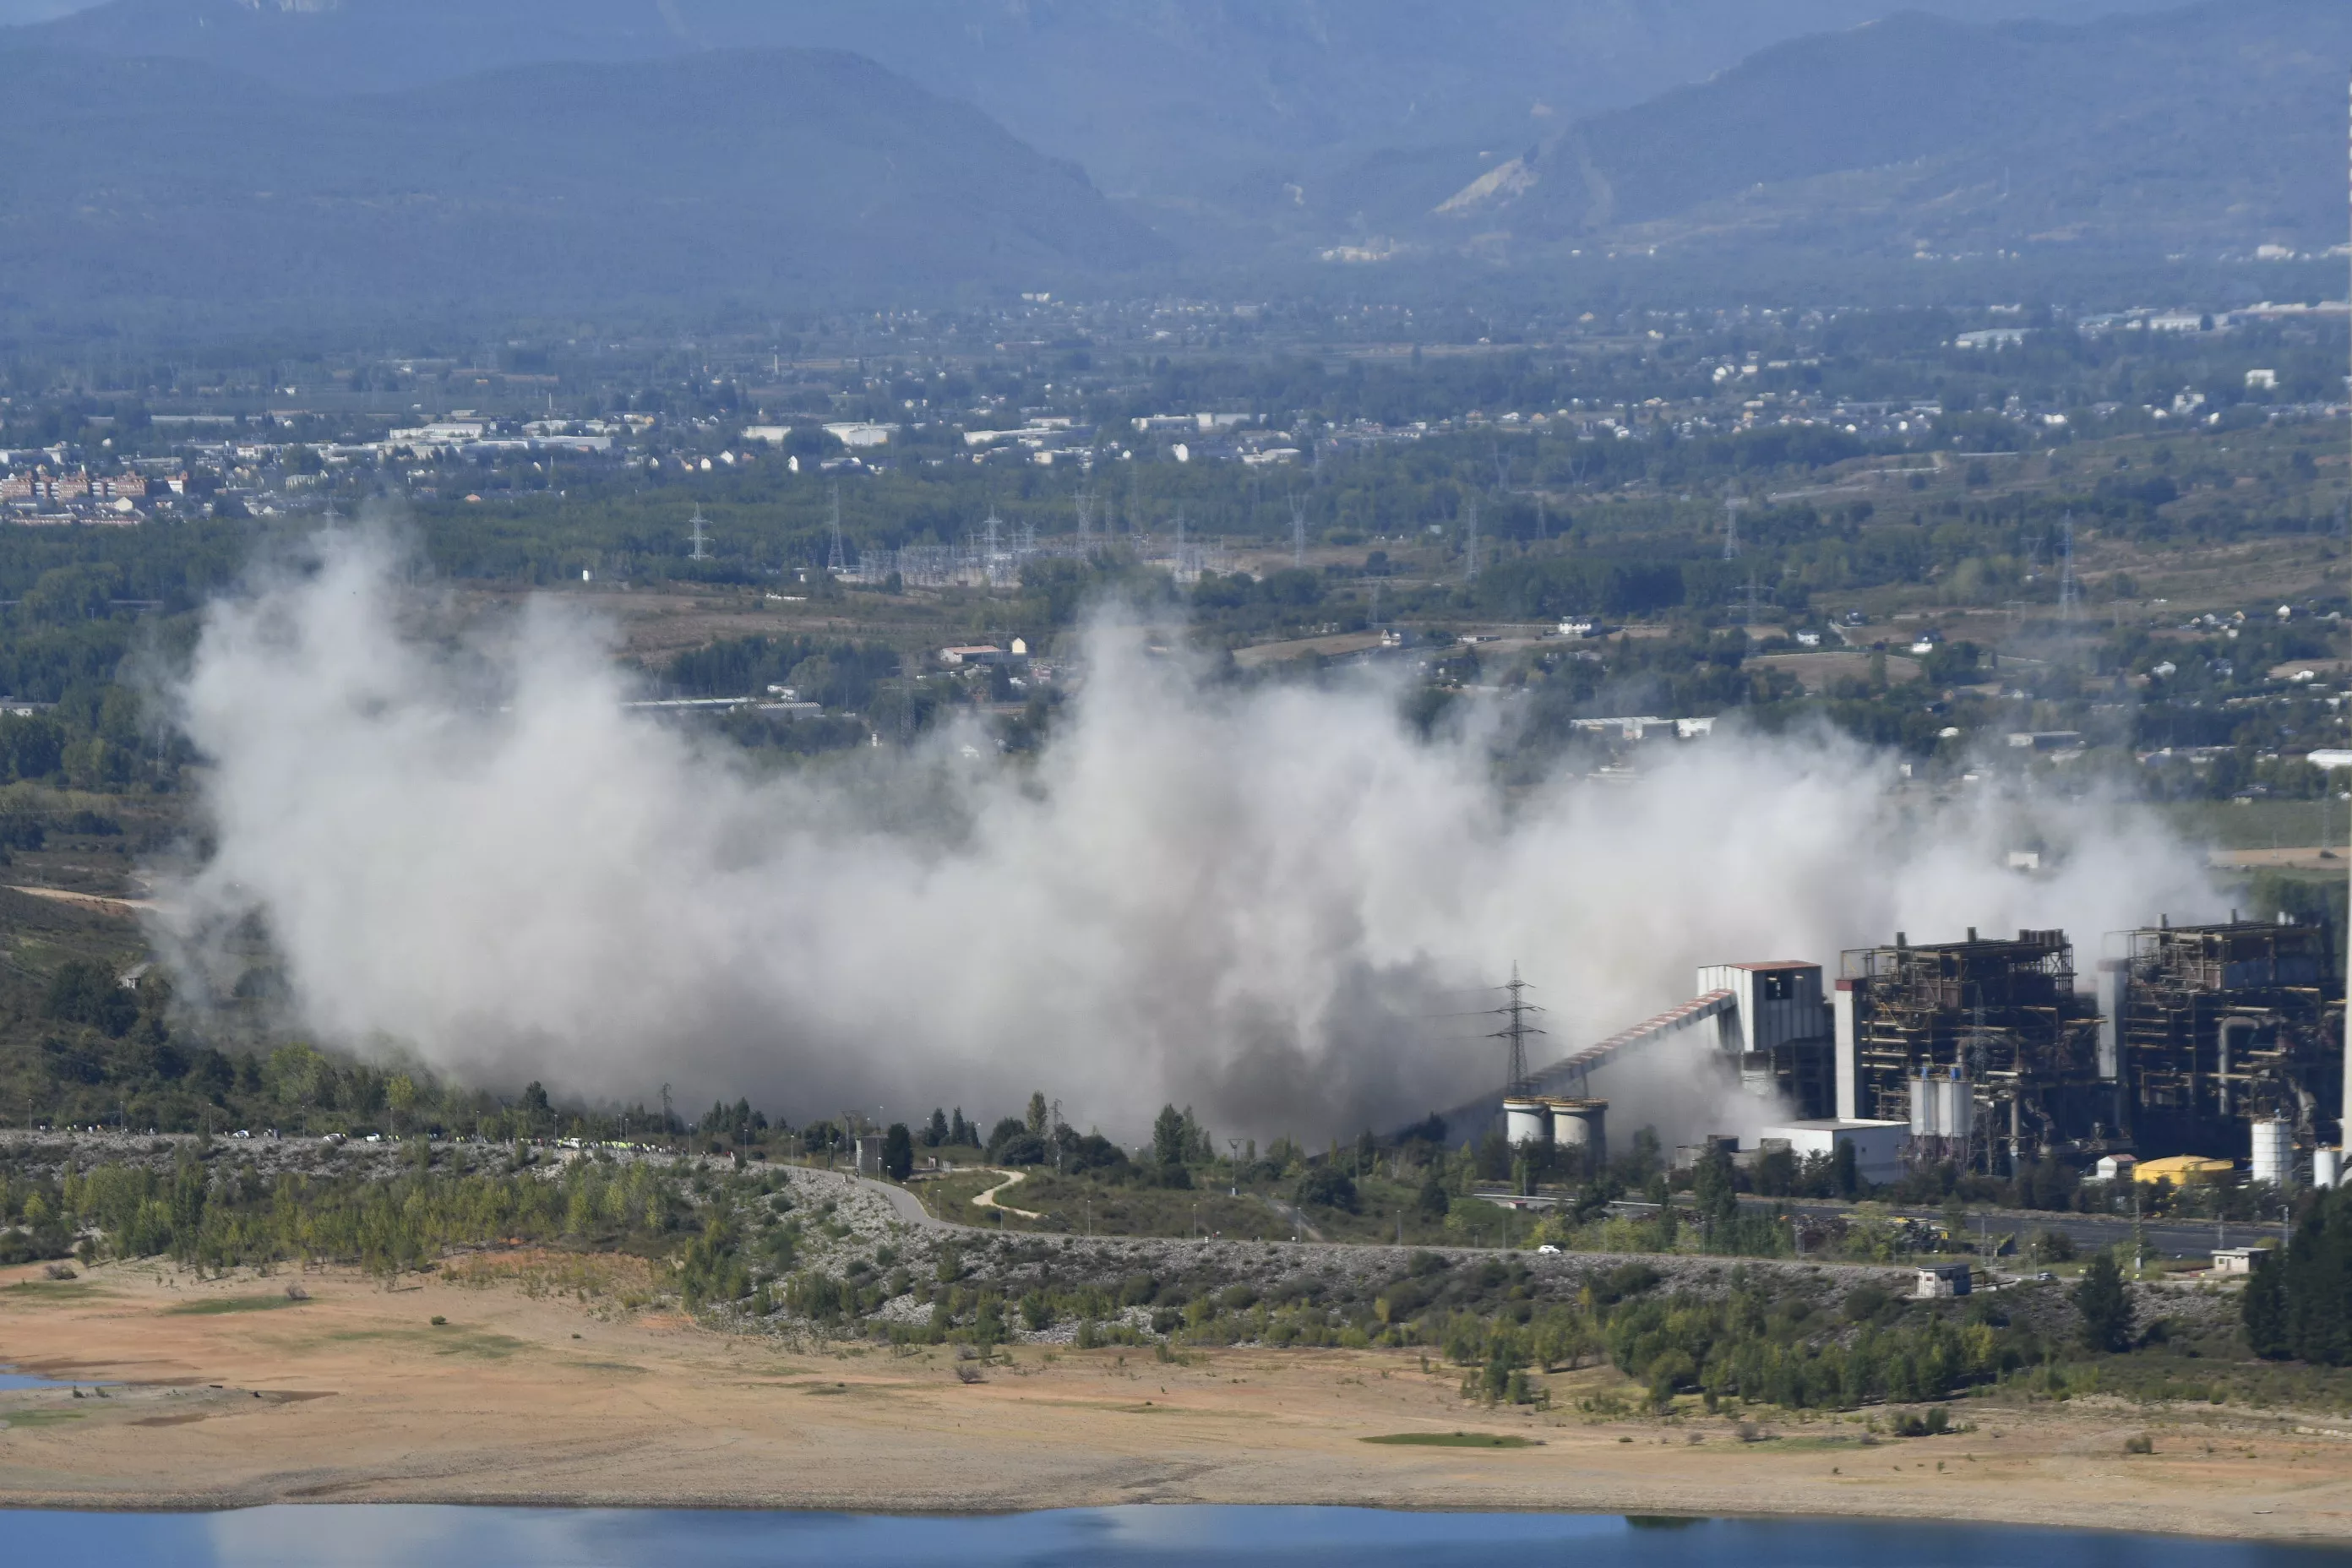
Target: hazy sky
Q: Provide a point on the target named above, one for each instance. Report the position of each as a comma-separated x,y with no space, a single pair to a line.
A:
12,11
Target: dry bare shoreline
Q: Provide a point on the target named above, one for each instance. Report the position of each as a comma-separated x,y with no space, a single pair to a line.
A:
224,1395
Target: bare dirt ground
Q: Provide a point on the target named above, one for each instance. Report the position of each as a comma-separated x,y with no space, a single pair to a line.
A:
224,1393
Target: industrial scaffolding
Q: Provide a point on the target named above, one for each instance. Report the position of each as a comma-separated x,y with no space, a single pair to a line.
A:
2000,1015
2221,1026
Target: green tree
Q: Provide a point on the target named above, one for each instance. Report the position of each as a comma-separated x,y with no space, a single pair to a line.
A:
400,1096
1168,1136
2265,1307
1329,1185
2309,1290
81,991
2105,1306
897,1152
1036,1117
1432,1201
1716,1198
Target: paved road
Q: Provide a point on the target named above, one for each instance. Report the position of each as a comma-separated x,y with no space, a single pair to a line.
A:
908,1207
2173,1237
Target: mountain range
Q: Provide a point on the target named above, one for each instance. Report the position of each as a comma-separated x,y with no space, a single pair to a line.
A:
774,175
2221,125
439,156
1219,106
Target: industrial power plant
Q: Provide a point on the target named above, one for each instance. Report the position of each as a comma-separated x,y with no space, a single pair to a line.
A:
2225,1041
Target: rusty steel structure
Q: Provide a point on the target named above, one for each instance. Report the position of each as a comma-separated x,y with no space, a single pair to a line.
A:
1998,1014
2212,1028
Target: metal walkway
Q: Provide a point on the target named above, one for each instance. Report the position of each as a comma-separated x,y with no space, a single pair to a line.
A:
1562,1075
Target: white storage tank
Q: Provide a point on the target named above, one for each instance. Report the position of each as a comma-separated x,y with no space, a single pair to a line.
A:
1957,1113
1581,1124
1526,1121
2326,1167
1924,1105
2274,1153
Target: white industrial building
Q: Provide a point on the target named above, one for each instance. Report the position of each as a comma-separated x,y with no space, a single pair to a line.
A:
1877,1145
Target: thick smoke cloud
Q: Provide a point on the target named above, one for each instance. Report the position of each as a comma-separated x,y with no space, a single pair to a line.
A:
1255,902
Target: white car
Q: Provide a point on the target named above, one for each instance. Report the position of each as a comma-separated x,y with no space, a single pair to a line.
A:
1547,1247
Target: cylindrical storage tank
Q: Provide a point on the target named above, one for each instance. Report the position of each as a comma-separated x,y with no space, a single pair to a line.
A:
2326,1167
1581,1124
1924,1105
1959,1114
2275,1152
1526,1122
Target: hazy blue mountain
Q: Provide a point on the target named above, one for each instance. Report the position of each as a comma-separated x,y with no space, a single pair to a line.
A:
2221,124
755,175
1214,103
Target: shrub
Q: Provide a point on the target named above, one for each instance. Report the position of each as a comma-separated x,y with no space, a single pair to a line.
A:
1624,1280
2051,1246
1328,1187
1864,1302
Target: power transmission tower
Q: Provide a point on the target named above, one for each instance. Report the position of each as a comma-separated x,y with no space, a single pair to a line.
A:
836,563
1516,1033
701,539
1298,531
1086,500
1731,506
1470,539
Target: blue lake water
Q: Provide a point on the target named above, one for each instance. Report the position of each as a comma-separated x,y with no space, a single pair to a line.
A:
11,1378
366,1536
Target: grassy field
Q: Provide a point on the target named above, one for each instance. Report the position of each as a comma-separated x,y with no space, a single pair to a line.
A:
2259,824
1072,1206
215,1306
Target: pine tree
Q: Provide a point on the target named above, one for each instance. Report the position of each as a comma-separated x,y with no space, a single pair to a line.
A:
2105,1306
2318,1283
1168,1136
2265,1305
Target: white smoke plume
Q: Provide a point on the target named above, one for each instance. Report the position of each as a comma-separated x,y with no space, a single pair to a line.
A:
1255,902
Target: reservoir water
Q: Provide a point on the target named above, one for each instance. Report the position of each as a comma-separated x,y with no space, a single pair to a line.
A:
10,1378
391,1535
